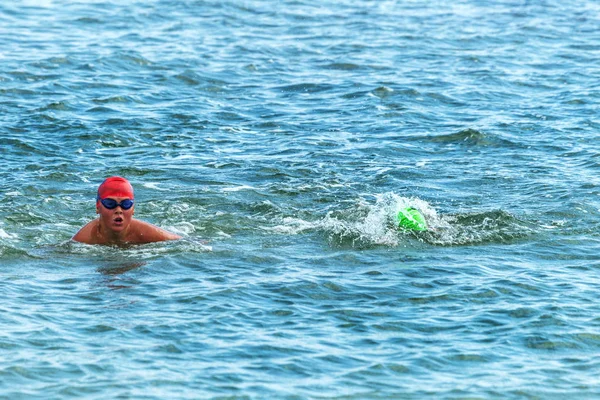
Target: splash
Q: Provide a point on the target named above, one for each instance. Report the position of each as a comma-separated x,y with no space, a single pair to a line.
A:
374,224
365,224
495,226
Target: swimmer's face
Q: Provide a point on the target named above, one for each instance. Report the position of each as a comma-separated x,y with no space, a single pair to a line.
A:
116,219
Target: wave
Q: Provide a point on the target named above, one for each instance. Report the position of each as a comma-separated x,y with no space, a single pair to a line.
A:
135,251
367,224
495,226
471,137
9,247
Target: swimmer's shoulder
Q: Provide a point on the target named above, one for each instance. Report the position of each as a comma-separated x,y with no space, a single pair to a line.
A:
145,232
87,233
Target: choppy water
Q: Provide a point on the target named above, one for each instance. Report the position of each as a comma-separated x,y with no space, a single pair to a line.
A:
280,138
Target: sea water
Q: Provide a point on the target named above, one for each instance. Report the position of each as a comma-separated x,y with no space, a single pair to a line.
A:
280,138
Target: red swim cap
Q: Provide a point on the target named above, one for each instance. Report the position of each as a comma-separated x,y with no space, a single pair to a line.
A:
115,186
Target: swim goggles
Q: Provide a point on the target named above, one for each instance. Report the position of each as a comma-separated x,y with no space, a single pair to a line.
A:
111,204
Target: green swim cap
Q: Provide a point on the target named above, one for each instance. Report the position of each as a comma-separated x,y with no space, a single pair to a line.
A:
410,218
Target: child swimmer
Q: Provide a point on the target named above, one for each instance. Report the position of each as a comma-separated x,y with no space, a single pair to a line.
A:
116,225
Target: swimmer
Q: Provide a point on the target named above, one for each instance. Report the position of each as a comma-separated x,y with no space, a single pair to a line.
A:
116,224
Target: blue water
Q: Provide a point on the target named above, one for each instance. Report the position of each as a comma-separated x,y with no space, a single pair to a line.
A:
280,138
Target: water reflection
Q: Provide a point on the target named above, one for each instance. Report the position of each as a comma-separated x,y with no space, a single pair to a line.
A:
113,274
120,268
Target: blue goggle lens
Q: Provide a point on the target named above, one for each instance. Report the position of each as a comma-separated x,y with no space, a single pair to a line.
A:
111,204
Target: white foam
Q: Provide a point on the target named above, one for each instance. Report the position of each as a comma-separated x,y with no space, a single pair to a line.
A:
237,188
183,228
153,185
5,235
294,226
366,222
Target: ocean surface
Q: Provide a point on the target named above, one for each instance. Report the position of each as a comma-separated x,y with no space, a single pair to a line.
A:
280,138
